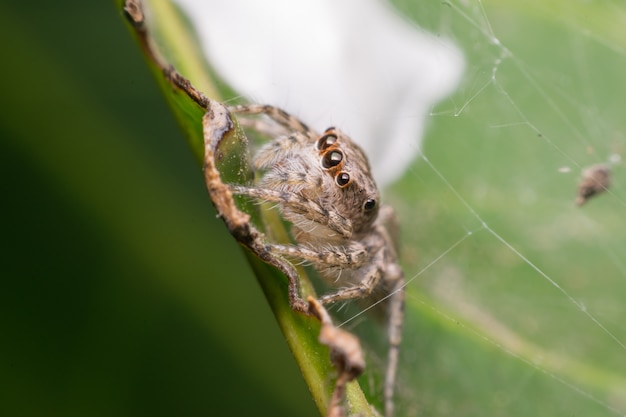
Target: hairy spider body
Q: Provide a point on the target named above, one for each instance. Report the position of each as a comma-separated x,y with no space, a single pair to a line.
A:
323,185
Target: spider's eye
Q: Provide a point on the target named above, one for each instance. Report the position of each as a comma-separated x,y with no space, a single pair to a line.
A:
369,205
342,179
326,141
331,159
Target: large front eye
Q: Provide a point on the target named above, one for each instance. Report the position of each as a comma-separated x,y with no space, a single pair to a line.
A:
331,159
369,205
342,179
326,141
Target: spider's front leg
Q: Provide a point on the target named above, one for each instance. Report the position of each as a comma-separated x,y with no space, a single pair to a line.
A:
371,274
284,119
350,257
299,205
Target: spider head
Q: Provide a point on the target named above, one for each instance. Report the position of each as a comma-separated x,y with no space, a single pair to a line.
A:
351,191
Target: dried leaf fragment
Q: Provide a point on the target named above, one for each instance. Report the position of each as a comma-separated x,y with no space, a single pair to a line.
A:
594,180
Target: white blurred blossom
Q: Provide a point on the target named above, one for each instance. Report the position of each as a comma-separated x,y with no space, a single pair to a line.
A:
353,64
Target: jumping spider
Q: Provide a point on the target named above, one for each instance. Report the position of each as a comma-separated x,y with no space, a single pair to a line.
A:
323,186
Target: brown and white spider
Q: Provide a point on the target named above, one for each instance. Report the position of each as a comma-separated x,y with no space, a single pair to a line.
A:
323,186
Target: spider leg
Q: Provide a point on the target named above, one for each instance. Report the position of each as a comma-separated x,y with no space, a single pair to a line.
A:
299,205
394,336
346,355
289,122
364,288
351,257
264,127
393,281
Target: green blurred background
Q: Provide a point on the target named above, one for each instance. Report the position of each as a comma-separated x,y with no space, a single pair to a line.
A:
122,294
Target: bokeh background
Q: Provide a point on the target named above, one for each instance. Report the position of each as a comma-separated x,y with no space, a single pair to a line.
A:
121,294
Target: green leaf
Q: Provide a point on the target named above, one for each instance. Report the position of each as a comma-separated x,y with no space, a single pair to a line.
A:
517,300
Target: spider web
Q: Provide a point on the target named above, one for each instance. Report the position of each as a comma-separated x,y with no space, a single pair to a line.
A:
514,294
494,246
